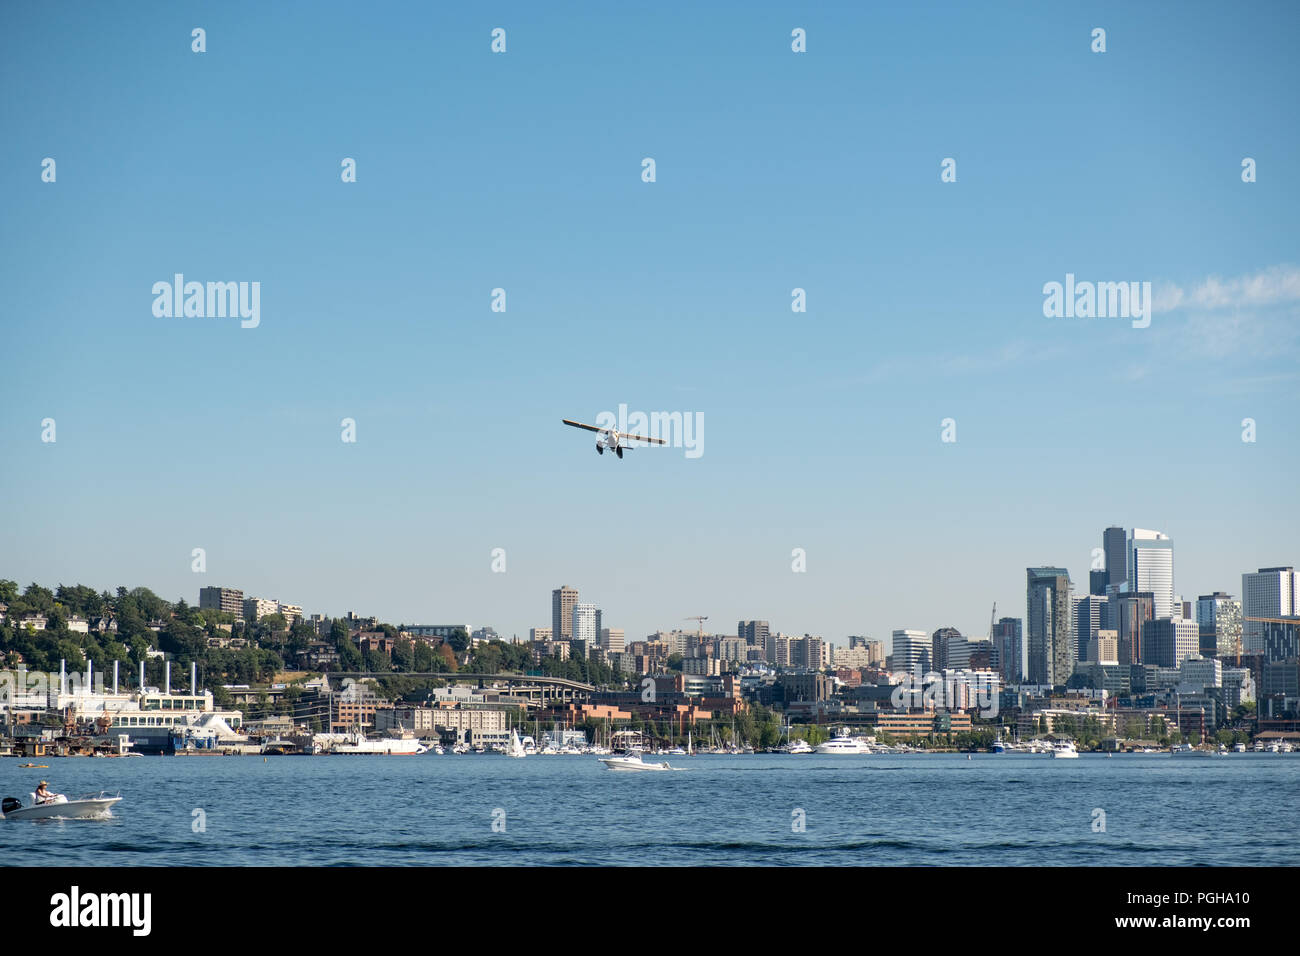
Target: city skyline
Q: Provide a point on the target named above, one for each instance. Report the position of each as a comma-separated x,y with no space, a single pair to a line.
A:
565,600
813,179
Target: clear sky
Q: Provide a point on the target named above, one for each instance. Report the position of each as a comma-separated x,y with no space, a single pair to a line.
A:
523,171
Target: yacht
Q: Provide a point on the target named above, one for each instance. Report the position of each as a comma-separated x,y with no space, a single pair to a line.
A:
799,746
358,743
1065,751
1239,748
844,744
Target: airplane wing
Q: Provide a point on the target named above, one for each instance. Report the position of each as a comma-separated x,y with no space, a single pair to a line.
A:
590,428
657,441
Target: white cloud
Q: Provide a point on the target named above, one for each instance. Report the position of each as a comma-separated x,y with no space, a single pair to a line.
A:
1271,286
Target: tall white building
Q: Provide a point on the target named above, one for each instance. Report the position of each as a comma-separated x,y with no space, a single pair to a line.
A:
1151,568
910,650
1268,592
586,623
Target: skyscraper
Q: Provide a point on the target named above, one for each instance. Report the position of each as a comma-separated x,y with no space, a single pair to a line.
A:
1151,568
1009,647
1114,542
562,601
586,624
941,641
1089,618
753,633
1219,618
910,650
1171,640
1268,592
1130,615
1051,640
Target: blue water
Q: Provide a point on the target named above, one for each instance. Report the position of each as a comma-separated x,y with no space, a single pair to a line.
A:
910,810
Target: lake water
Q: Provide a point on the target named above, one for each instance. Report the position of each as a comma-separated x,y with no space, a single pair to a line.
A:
906,810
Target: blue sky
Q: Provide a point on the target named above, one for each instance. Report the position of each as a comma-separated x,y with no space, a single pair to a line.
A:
522,171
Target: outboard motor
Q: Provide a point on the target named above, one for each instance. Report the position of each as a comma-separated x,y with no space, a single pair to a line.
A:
9,805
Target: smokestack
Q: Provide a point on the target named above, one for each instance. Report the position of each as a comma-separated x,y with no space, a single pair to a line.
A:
167,685
115,663
63,676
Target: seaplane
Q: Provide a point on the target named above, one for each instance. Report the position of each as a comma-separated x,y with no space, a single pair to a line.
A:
613,439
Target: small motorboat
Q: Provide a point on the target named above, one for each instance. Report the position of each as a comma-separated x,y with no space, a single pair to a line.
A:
90,806
633,761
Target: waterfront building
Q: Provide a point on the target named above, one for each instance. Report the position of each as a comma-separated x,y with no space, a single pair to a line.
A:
1051,640
922,723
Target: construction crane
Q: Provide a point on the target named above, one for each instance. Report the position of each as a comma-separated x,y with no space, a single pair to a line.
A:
699,627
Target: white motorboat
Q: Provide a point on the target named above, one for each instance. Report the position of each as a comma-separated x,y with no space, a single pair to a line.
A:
799,746
844,744
633,761
90,806
1065,751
